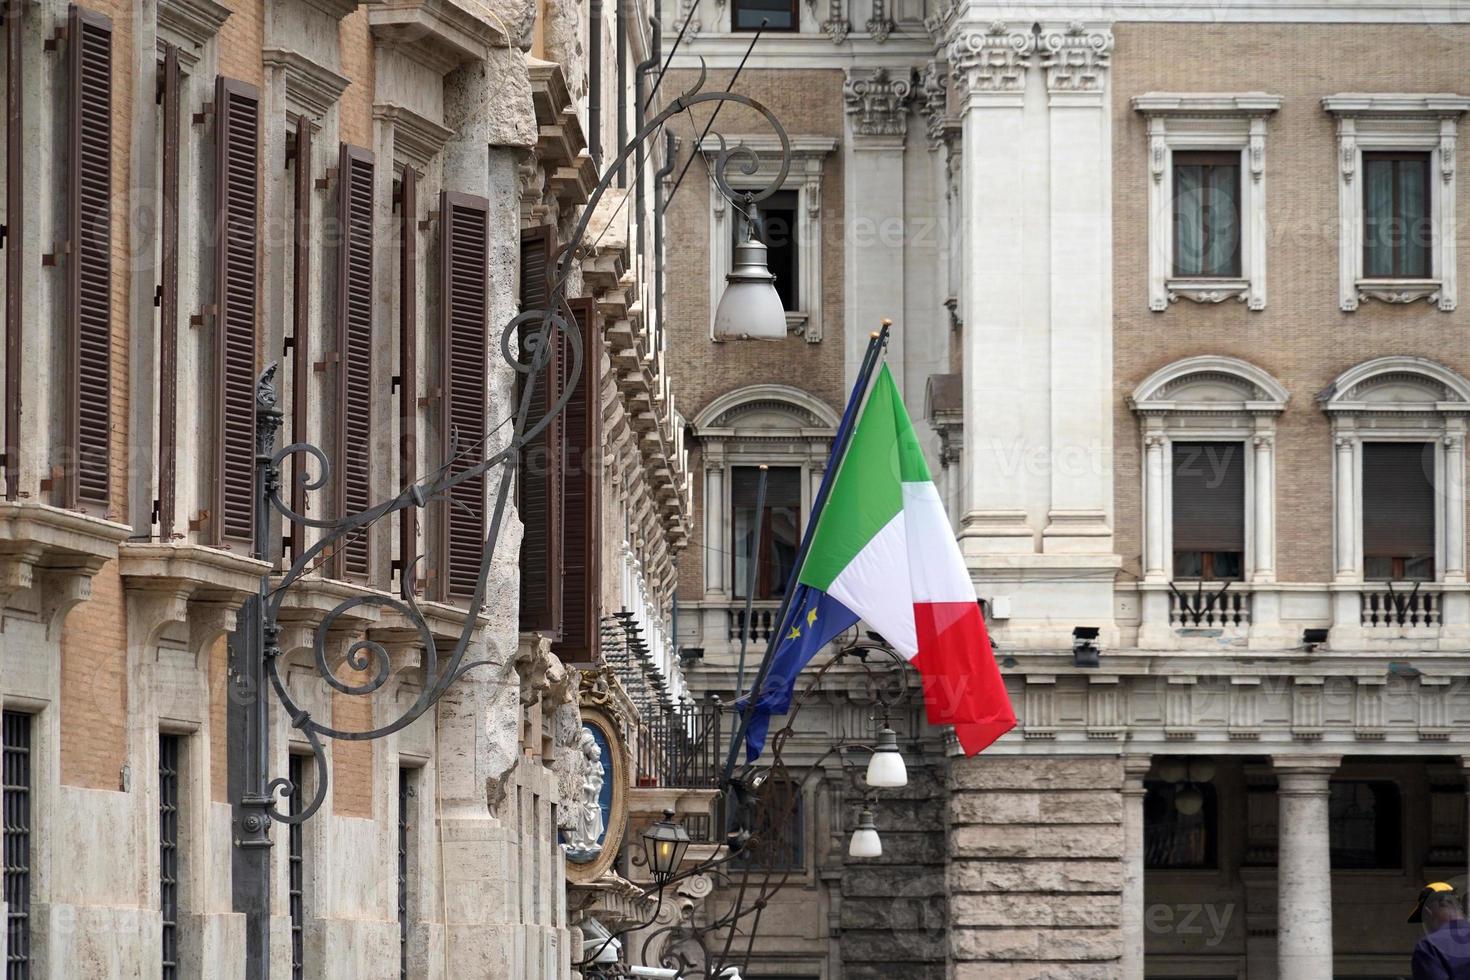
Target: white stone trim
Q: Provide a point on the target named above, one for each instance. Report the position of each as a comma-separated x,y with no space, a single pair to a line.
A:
311,89
1397,399
1206,121
1396,121
808,156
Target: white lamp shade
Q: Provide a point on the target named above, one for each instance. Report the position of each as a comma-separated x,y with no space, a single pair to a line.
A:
886,769
865,844
751,308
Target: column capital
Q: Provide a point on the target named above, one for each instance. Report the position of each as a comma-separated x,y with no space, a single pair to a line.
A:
878,101
1136,767
1076,58
1304,774
991,61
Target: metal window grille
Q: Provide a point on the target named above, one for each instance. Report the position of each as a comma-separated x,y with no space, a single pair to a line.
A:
168,850
296,867
17,808
405,805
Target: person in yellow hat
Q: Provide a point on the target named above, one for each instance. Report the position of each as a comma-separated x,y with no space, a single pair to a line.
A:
1444,952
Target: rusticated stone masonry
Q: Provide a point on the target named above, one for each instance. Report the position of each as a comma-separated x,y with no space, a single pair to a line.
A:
1035,868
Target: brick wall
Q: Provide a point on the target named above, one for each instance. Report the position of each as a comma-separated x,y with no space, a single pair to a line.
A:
1301,338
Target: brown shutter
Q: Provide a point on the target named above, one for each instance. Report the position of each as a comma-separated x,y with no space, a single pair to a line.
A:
89,264
353,441
1209,496
582,495
408,328
237,166
168,295
539,499
1398,500
12,236
300,313
464,247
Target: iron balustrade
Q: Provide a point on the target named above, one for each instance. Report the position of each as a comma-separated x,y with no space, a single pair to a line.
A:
680,748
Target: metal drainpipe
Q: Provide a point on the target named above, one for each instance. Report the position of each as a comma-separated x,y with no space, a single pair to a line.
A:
671,149
594,81
622,38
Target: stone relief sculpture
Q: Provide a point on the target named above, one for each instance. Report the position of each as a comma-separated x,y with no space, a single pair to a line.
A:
584,835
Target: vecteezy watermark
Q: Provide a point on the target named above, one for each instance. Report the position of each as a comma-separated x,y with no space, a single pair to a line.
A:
1210,920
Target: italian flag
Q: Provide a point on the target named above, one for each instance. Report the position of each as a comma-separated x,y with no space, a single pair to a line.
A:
884,549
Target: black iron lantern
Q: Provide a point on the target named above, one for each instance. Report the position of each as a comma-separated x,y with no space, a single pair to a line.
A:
665,842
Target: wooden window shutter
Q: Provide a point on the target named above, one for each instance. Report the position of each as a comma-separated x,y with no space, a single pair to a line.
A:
300,311
89,265
168,295
408,328
12,236
539,491
582,493
354,406
1209,496
237,167
1398,499
464,249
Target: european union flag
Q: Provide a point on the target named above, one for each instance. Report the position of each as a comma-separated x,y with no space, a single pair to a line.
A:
816,620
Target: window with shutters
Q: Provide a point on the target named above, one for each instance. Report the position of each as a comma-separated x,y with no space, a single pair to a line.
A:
170,125
582,496
354,351
1398,511
539,496
11,236
406,379
88,261
463,244
235,314
1209,510
300,163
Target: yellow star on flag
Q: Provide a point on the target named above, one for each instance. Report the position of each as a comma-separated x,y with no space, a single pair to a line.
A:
795,632
811,617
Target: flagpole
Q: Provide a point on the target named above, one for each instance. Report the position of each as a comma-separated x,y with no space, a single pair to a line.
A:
877,343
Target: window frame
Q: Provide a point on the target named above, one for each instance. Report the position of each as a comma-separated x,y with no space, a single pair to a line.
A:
1225,123
1208,161
1396,157
804,176
1396,122
1399,562
1207,557
737,584
735,27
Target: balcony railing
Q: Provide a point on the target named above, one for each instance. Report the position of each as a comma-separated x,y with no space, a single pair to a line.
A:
680,748
1396,605
762,620
1209,605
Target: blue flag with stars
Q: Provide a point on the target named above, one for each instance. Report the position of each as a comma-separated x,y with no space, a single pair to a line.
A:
817,620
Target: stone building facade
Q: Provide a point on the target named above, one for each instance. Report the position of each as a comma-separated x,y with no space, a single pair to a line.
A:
363,195
1241,462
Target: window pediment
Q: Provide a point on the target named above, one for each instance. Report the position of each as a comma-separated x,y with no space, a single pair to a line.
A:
1210,384
1397,384
765,411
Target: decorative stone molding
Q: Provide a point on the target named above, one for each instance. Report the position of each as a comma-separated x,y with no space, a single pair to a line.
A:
1425,123
439,33
993,61
416,139
880,25
1076,59
196,22
808,158
1207,121
57,551
877,101
311,89
837,26
933,101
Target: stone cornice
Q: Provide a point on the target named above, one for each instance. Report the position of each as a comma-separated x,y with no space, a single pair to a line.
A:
196,21
310,88
439,33
1439,105
416,139
1206,103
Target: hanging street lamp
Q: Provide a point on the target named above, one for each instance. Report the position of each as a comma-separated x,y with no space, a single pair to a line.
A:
886,769
751,308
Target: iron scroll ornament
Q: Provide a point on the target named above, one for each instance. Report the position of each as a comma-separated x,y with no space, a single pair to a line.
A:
367,656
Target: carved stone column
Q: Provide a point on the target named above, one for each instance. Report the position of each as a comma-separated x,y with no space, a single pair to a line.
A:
715,558
1304,868
1155,566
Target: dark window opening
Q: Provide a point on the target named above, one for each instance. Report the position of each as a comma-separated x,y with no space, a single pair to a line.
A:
778,231
1209,510
777,15
1180,824
1207,215
780,531
296,867
1398,230
16,736
777,829
168,850
1398,511
406,794
1365,824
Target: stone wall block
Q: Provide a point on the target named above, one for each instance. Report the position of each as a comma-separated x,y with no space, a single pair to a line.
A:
1036,876
1035,944
1062,911
1001,773
1010,841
